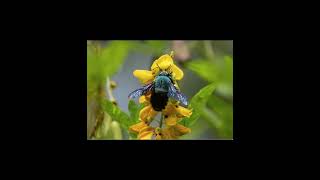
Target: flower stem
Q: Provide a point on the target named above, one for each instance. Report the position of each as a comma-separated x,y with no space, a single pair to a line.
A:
161,121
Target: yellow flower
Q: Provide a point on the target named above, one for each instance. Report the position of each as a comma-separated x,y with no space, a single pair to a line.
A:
144,76
172,108
173,132
172,113
145,99
171,120
158,133
146,133
143,129
136,128
165,62
147,114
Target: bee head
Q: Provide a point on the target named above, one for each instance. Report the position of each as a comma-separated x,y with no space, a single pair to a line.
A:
165,72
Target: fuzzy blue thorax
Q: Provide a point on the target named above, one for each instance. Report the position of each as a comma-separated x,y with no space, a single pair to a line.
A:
162,84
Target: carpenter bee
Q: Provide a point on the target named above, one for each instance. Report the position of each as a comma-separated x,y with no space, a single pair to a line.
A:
161,89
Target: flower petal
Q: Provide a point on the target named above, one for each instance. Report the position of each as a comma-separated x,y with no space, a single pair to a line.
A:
163,62
170,109
144,113
158,137
144,76
171,120
146,128
142,99
137,127
177,72
166,134
181,130
145,99
147,114
146,135
183,111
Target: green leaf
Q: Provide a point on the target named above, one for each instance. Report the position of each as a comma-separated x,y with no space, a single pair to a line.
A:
228,69
132,136
116,130
224,113
134,110
116,113
198,103
220,72
103,131
205,69
113,56
104,61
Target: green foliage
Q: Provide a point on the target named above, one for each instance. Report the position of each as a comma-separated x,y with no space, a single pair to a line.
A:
223,113
228,74
116,130
134,110
113,56
116,113
219,112
104,131
124,120
205,69
198,103
104,61
221,71
132,136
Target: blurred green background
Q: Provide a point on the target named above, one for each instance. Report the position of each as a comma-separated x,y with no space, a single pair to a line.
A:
203,62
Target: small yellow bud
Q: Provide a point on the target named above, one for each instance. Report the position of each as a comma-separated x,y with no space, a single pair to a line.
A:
113,84
114,102
172,54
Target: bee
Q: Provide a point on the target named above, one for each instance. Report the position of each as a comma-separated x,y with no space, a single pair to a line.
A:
161,89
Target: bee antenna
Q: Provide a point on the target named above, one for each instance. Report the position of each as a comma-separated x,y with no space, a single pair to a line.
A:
158,66
169,67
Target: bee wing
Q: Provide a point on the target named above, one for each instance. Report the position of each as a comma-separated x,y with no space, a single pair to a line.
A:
141,91
136,93
177,95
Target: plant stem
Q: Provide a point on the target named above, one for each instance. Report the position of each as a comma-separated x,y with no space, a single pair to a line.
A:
161,121
109,91
101,96
98,121
98,111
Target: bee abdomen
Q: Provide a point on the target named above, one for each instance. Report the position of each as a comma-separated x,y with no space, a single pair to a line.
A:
159,101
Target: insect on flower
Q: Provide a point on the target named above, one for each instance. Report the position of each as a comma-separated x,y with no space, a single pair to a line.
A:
160,94
162,88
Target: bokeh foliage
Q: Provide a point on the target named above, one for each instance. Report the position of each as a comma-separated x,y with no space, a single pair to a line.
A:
212,104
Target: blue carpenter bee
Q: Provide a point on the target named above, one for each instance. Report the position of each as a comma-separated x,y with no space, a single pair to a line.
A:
161,89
